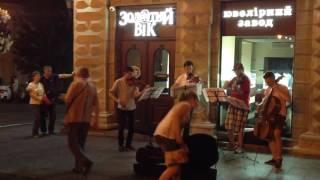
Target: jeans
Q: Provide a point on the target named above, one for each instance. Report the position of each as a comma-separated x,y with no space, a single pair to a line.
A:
50,111
36,124
125,117
77,135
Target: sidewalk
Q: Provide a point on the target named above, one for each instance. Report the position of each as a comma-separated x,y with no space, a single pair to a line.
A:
22,157
48,158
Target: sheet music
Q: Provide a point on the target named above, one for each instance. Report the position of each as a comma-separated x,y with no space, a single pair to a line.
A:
156,93
151,93
214,95
237,103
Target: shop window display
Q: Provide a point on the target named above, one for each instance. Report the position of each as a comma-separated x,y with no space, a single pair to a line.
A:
258,54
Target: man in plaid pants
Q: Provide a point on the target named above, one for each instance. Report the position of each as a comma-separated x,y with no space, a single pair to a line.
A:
236,118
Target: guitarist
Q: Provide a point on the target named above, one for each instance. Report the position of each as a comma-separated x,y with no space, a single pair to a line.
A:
280,92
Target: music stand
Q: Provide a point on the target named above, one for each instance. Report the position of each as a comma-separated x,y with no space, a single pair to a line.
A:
217,96
151,93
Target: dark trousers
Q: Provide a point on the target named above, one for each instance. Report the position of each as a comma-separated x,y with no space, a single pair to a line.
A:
77,135
35,108
50,112
186,128
125,118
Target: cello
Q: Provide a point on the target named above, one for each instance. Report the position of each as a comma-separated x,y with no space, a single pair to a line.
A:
266,114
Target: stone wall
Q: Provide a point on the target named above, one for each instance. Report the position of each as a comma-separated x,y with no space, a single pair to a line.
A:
302,63
90,38
307,111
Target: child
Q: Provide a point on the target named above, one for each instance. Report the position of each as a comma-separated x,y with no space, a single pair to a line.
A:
168,135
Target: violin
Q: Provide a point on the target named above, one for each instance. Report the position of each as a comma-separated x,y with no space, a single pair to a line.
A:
137,83
193,78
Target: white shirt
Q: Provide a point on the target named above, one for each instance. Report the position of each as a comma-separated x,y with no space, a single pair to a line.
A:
36,89
125,93
181,80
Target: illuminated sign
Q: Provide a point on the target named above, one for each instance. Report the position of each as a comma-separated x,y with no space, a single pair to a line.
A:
145,20
257,17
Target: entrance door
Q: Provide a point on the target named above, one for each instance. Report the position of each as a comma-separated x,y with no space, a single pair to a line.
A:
156,61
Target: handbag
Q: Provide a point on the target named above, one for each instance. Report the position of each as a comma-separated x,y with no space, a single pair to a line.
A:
46,100
70,104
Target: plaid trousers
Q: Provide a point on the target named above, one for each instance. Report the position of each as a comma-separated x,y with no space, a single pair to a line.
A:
236,119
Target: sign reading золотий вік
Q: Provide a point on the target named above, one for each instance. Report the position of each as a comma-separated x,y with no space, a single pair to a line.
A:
257,17
145,21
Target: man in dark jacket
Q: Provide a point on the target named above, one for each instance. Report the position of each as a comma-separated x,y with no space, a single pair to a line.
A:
50,82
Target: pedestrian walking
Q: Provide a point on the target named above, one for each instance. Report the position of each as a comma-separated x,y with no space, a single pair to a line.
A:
82,101
36,93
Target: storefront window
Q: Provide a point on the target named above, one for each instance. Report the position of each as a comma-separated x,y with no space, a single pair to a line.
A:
258,54
161,69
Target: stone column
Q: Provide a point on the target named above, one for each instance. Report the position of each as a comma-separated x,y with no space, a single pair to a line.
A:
308,28
193,35
90,43
193,42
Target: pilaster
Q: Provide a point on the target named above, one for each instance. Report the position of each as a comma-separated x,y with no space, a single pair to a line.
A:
90,43
307,86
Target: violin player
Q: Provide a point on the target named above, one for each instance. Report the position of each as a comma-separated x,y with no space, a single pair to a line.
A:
187,77
236,118
124,92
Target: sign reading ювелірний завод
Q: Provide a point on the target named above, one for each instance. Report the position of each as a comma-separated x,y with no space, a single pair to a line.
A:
257,17
145,20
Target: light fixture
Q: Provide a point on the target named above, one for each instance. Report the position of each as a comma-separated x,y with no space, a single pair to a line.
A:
112,9
279,36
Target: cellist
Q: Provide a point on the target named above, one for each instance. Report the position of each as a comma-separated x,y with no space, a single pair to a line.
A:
277,120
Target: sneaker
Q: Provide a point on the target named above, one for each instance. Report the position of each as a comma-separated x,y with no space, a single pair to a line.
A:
35,136
238,150
130,148
230,147
278,164
122,149
52,133
270,162
43,134
87,168
76,170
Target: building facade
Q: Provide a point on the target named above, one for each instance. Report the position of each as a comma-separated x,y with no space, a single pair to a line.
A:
203,31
